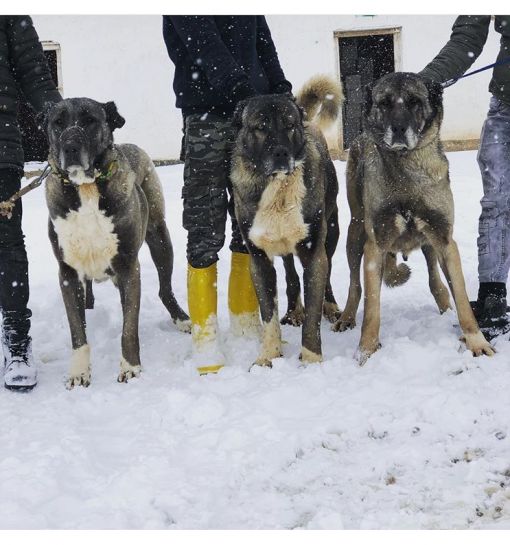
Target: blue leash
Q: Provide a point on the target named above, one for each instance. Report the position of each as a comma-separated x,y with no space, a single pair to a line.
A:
445,84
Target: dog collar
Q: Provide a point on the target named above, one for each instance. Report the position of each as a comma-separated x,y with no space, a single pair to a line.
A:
103,176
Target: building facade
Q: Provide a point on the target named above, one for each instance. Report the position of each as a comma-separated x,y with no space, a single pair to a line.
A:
123,58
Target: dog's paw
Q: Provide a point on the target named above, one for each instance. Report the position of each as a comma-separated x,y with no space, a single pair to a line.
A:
128,371
261,362
343,324
294,317
478,344
183,325
78,380
307,356
363,353
331,311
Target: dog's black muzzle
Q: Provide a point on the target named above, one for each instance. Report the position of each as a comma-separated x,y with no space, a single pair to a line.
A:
73,147
282,161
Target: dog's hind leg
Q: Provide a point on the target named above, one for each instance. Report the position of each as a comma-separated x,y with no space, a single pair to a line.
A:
160,246
295,311
128,281
264,280
355,243
73,295
437,288
89,295
331,310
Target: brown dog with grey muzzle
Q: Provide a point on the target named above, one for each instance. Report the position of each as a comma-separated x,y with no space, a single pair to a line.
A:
104,200
399,194
285,190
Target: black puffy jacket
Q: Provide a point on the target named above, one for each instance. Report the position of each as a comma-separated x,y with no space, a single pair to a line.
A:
23,67
469,34
220,60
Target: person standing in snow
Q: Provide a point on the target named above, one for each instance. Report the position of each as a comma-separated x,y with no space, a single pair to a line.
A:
469,34
23,67
219,60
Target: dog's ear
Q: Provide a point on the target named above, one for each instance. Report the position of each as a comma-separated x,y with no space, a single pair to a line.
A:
435,90
42,117
238,114
113,118
367,99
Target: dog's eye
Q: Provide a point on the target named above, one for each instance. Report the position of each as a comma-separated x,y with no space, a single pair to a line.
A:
88,120
58,122
290,126
413,101
261,128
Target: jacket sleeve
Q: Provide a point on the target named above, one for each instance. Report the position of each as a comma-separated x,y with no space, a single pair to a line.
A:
29,64
269,58
469,34
201,38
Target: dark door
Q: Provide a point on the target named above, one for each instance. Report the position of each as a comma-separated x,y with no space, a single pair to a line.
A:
363,59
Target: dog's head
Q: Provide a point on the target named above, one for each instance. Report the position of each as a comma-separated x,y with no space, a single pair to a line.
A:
400,108
270,137
79,131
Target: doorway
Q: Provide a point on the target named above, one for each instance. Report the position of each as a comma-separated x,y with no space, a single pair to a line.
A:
364,56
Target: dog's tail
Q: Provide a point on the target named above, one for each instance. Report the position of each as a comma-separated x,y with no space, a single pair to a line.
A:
321,97
395,275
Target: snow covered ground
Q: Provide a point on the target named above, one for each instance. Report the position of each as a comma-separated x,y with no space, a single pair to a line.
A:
418,438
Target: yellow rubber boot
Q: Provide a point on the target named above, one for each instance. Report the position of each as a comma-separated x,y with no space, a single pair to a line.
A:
202,305
242,299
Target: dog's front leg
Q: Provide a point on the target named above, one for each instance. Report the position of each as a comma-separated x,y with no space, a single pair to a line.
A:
372,272
73,294
451,265
315,264
264,279
128,281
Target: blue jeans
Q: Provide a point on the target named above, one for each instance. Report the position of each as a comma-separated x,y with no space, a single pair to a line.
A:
494,223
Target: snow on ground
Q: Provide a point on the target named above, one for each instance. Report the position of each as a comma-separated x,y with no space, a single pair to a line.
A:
418,438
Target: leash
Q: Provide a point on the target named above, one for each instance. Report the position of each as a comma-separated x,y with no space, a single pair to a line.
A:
6,207
449,82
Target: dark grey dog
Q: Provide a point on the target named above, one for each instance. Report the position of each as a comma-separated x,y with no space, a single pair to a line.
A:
104,201
398,189
285,190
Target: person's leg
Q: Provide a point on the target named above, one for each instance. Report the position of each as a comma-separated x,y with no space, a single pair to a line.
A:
204,216
494,222
20,370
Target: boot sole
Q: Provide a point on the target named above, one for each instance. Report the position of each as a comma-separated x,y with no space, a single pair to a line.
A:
23,388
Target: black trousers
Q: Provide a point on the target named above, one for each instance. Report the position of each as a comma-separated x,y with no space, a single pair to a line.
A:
14,289
207,191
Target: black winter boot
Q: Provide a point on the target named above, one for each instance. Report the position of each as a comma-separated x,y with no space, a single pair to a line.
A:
490,309
20,371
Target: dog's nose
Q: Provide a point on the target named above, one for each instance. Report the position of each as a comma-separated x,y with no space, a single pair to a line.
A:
399,130
72,152
280,152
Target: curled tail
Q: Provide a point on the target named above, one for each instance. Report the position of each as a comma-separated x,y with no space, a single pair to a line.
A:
395,275
321,97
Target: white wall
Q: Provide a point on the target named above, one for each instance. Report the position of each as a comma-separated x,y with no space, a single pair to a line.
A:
124,58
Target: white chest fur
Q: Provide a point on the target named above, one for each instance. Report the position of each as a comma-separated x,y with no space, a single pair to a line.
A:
278,224
86,236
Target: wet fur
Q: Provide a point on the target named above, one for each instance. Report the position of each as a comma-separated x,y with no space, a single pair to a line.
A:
401,201
285,214
96,230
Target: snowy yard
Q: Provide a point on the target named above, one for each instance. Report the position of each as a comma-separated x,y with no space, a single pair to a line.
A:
418,438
